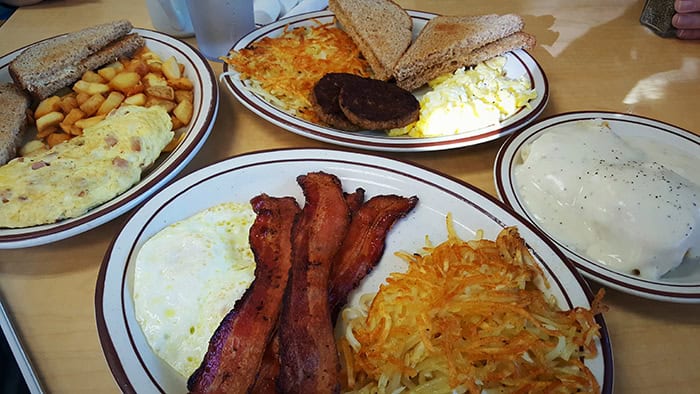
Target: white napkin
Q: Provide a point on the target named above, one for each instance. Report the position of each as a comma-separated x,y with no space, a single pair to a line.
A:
268,11
306,6
287,5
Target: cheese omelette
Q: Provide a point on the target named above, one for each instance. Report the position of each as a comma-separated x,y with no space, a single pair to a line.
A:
75,176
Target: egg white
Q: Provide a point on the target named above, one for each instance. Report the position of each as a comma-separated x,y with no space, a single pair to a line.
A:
188,276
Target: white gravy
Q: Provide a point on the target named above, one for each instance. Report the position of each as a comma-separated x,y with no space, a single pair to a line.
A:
630,203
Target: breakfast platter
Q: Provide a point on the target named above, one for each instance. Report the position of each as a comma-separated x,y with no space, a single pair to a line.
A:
167,165
519,63
137,368
674,148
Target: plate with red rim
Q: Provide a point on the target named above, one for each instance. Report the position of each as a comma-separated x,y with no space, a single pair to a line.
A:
679,285
136,368
168,165
519,63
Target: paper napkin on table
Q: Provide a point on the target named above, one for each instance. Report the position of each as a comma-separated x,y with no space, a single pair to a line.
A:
268,11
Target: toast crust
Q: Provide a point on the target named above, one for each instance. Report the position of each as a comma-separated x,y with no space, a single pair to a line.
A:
446,43
13,120
52,64
518,40
380,28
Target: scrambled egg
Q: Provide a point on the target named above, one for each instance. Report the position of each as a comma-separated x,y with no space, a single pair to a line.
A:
468,99
74,176
188,277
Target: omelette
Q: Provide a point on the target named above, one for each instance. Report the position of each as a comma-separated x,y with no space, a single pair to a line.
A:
72,177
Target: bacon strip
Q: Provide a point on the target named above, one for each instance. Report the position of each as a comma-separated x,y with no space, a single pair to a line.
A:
308,356
355,199
364,245
236,348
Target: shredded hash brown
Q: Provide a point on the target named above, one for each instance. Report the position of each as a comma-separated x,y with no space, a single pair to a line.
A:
468,316
284,69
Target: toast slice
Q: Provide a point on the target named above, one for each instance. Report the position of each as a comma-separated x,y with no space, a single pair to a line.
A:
380,28
13,119
447,43
52,64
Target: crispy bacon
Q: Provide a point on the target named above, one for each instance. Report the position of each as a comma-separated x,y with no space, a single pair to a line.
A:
237,346
266,382
355,199
308,356
364,245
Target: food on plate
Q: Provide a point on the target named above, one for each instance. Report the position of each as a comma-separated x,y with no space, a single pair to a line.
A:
468,316
469,99
144,79
45,67
351,102
363,245
334,228
235,351
13,120
308,356
284,69
447,43
380,28
324,99
625,202
378,105
71,178
188,276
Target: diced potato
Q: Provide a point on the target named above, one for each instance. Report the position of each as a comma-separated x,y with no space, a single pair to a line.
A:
155,65
87,122
183,111
154,79
125,81
92,104
164,92
91,76
113,100
181,84
47,130
80,98
176,122
167,104
71,129
48,120
138,66
171,69
184,95
50,104
137,99
68,102
54,139
73,116
109,71
31,147
90,88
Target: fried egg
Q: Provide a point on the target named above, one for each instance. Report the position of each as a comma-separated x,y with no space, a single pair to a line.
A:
188,276
469,99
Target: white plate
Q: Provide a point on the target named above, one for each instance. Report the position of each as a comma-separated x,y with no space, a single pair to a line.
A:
206,104
136,368
519,63
680,285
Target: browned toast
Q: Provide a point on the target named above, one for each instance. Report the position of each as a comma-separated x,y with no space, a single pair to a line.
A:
52,64
13,118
